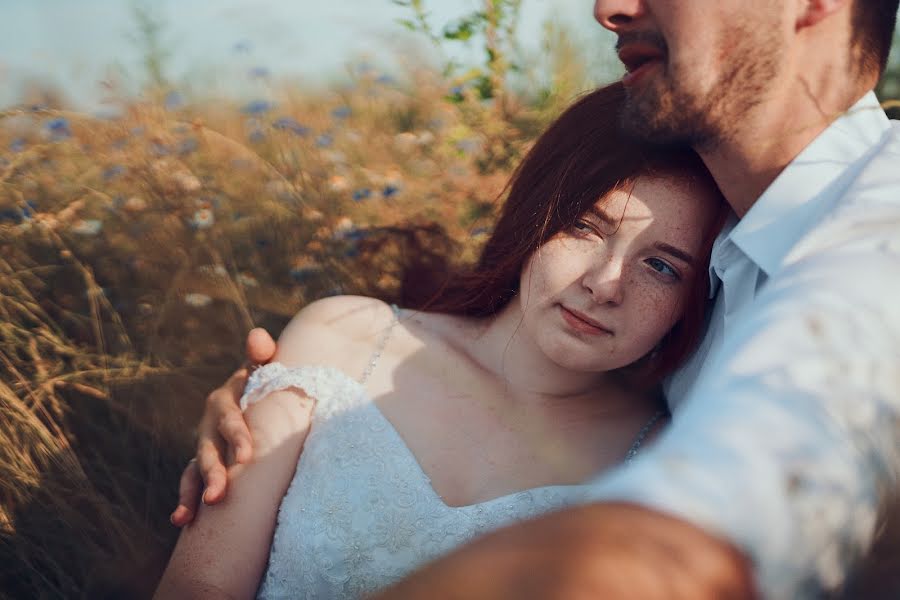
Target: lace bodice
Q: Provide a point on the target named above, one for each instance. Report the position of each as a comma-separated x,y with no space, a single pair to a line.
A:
360,512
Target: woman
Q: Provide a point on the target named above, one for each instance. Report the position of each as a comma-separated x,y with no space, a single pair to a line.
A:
518,379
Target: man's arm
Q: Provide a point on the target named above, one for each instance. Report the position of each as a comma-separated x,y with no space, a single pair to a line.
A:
612,551
789,446
222,426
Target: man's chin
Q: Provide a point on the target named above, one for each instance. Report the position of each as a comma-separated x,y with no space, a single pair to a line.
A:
655,118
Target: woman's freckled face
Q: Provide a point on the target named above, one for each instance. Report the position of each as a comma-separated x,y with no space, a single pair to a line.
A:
603,294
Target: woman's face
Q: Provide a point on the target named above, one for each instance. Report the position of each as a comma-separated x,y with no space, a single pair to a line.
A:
601,295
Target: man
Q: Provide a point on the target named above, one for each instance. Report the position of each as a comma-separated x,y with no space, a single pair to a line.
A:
784,440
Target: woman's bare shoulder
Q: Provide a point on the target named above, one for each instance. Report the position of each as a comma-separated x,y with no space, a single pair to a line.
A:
339,331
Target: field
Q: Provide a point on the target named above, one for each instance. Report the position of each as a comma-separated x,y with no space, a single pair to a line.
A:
137,250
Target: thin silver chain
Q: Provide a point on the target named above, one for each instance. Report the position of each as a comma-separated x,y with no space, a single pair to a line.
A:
385,336
642,434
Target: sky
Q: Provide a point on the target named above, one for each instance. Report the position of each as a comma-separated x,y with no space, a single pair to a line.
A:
74,45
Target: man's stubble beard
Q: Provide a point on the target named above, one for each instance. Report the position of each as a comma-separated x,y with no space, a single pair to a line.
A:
664,113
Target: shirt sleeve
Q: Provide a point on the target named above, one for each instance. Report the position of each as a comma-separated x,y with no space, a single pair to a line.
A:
789,445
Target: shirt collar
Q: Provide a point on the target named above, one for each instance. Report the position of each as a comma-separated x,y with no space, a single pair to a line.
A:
810,184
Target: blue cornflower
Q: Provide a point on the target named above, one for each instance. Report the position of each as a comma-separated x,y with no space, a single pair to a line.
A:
17,145
256,136
13,215
304,274
390,190
324,140
361,194
58,128
187,146
289,124
113,171
341,112
456,90
257,107
159,149
258,73
385,80
174,100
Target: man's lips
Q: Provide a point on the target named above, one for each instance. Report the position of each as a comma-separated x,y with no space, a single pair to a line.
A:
583,323
635,54
638,59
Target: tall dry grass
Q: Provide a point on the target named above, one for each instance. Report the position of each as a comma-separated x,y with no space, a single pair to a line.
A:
137,250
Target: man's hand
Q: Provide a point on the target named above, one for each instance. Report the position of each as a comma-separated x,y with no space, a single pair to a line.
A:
609,550
221,428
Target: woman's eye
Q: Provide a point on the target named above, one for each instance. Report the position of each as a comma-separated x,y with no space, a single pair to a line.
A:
583,227
663,268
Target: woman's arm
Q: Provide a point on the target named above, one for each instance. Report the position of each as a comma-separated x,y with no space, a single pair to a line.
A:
224,552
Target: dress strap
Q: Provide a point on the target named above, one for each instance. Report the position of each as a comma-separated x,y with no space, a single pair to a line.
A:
382,342
643,433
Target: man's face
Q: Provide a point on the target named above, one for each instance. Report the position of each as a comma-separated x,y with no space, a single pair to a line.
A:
694,68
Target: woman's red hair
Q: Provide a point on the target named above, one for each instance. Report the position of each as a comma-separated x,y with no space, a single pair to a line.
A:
582,157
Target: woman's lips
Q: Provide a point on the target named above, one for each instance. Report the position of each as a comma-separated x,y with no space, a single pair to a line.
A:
581,323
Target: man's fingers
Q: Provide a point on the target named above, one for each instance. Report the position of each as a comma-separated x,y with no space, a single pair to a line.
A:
212,469
233,428
260,346
188,496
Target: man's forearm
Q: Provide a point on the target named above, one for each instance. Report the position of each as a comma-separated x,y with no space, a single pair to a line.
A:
611,551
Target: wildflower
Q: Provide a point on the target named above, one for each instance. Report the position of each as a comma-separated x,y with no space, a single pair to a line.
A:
385,80
87,227
258,73
159,149
13,215
187,181
247,280
243,47
479,232
203,219
197,300
113,171
58,129
469,146
361,194
17,145
256,136
187,146
173,100
257,107
302,274
341,112
324,140
289,124
343,227
390,190
135,204
338,183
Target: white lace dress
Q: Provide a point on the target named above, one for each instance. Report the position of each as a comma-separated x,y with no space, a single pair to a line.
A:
360,513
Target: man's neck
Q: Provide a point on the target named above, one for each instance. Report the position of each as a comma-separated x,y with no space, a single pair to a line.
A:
746,161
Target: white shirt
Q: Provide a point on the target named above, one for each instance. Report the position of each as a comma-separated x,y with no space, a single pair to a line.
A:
786,429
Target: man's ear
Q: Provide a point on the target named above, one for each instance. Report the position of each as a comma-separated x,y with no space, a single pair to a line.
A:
811,12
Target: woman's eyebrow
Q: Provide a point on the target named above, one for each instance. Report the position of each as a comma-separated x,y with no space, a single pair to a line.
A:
676,252
601,215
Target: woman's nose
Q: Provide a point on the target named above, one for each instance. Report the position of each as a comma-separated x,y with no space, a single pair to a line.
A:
605,283
618,15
